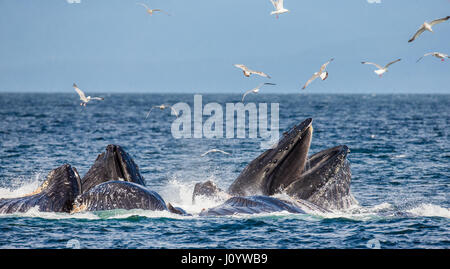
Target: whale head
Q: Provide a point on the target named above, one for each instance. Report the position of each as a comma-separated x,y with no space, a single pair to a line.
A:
113,164
273,170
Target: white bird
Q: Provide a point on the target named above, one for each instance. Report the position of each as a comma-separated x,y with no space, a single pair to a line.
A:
150,11
248,72
427,26
381,70
279,8
83,98
322,73
214,150
162,107
255,90
439,55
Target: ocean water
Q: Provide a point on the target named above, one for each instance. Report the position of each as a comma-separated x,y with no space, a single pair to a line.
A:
400,153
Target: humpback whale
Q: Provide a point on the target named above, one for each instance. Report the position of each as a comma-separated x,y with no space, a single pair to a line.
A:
113,182
322,180
56,194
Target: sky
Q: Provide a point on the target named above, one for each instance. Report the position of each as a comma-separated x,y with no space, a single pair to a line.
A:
115,46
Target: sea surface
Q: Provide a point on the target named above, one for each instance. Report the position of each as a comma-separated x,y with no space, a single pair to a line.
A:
400,163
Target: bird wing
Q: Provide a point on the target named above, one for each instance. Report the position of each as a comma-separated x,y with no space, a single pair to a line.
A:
241,66
268,83
393,62
310,80
420,31
262,74
160,10
174,111
97,98
215,150
372,64
280,4
144,5
426,54
149,112
322,68
80,93
439,20
245,94
221,151
274,3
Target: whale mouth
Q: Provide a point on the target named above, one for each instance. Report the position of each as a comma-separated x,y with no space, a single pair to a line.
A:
326,180
271,170
113,164
325,157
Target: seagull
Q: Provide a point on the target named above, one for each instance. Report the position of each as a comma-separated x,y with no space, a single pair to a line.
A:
214,150
162,107
248,72
439,55
322,73
278,5
150,11
255,90
381,70
83,98
427,26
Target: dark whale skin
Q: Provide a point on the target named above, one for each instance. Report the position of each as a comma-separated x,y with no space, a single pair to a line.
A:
252,205
113,164
119,195
56,194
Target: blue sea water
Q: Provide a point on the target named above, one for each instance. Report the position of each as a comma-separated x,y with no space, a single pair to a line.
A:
399,158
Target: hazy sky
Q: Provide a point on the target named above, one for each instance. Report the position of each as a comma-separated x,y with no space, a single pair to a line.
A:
115,46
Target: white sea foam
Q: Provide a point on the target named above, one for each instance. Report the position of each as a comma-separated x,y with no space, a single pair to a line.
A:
180,194
22,190
430,210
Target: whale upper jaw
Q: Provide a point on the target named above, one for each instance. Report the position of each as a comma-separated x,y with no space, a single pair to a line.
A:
113,164
272,170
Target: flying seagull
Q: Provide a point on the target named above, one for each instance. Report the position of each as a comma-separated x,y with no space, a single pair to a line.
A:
255,90
381,70
162,107
83,98
150,11
279,8
427,26
214,150
322,73
439,55
248,72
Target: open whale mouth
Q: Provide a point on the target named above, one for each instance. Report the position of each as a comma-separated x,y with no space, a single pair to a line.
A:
272,169
326,158
326,180
113,164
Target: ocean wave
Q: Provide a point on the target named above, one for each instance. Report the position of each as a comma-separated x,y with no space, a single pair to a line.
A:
430,210
180,194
